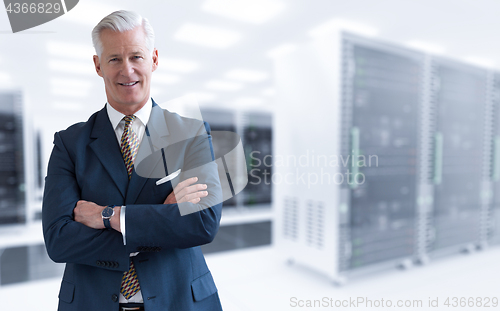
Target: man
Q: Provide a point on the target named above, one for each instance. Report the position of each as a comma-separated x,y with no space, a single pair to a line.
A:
126,241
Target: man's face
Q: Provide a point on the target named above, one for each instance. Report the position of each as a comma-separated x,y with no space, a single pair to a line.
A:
126,65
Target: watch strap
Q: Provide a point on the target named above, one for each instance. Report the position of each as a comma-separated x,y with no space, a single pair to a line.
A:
107,222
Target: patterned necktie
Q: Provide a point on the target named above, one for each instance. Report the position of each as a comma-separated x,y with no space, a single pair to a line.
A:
129,144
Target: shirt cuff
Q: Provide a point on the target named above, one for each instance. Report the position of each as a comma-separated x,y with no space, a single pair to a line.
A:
122,224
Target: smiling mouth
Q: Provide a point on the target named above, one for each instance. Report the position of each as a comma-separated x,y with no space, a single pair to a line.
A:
129,84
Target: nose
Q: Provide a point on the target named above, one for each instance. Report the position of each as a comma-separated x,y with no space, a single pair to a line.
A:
127,68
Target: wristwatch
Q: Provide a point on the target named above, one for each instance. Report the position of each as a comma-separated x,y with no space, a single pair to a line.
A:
106,214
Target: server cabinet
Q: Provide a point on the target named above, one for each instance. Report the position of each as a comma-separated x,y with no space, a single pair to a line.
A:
255,130
460,96
419,137
221,120
382,90
12,188
351,108
257,142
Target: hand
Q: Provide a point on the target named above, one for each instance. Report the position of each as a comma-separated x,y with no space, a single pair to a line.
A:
89,214
184,192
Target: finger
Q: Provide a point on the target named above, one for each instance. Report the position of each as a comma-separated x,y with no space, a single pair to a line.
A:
186,183
190,189
171,199
194,201
76,213
191,196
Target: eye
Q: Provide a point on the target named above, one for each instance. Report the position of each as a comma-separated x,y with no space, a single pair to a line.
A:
113,59
137,57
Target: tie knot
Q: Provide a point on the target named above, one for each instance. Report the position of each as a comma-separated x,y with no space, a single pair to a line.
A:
128,119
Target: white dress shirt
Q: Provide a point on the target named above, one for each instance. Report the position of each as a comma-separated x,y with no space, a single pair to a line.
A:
139,127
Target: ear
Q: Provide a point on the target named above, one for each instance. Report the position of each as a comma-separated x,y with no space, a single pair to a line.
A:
97,65
155,60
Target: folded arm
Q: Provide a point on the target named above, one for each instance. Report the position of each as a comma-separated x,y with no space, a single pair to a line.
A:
74,231
194,219
66,239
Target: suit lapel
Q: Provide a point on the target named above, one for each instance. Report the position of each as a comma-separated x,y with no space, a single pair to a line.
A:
134,187
106,148
155,137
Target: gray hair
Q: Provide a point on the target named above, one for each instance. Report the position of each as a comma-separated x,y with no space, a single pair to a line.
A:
122,21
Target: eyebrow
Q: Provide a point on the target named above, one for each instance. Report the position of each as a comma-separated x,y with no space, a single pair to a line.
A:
131,54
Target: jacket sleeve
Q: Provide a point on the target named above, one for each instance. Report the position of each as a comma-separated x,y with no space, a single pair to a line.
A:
156,227
65,239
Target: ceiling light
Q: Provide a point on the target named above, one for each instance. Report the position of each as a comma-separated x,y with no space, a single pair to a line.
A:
251,11
70,83
70,87
68,106
479,61
269,92
178,65
164,78
246,75
281,50
76,67
207,36
70,92
426,47
71,50
220,85
343,24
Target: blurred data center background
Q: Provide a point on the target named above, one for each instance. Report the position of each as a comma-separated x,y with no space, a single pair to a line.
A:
371,132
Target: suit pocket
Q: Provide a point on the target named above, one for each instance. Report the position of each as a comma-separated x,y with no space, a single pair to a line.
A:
164,188
67,291
203,287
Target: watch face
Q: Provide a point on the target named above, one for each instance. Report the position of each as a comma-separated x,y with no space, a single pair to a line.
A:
107,212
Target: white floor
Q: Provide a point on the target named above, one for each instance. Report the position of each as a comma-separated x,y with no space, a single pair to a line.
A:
255,280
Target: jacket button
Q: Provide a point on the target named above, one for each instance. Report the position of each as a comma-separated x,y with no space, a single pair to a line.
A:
98,263
114,297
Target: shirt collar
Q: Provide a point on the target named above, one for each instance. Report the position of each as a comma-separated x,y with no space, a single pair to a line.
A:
143,114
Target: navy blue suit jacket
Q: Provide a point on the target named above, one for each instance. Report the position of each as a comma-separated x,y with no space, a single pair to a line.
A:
86,164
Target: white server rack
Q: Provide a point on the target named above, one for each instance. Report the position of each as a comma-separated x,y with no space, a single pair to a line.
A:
428,122
460,94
